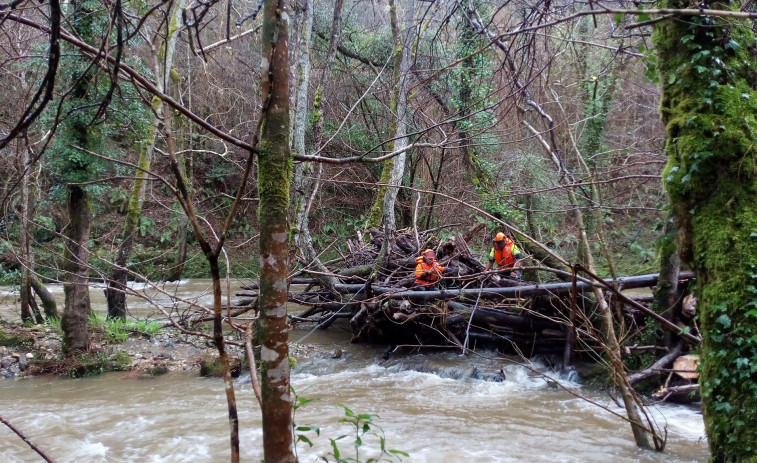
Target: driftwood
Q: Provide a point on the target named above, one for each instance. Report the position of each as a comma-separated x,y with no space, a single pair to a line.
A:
470,309
660,366
686,393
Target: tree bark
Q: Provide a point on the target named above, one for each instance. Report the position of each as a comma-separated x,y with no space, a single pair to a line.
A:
306,178
666,294
26,213
78,131
274,179
402,49
707,69
75,321
49,304
382,211
116,283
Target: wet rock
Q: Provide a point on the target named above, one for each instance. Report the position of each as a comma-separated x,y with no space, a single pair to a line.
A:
214,368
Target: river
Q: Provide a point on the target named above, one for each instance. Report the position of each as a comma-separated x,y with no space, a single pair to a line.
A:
430,406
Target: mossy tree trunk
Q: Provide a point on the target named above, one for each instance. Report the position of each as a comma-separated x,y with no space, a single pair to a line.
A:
386,193
473,95
77,167
274,178
185,164
709,106
162,63
667,293
402,34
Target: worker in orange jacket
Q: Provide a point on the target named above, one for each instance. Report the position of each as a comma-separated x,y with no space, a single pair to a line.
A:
506,254
427,270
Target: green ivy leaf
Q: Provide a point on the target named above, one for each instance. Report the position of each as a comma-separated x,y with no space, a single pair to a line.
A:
724,321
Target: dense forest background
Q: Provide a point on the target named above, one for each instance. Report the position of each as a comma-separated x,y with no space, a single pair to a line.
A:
468,124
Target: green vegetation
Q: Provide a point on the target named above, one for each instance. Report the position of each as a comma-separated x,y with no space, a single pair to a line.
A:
117,330
364,431
363,427
709,106
15,338
96,363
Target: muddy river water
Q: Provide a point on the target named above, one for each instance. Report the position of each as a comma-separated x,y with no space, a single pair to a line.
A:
433,406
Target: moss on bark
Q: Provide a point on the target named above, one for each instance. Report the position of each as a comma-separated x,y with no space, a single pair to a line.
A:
709,105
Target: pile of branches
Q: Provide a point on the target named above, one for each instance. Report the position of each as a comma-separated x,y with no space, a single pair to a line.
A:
373,287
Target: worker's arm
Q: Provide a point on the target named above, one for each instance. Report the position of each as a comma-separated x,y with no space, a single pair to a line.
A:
491,260
517,255
419,273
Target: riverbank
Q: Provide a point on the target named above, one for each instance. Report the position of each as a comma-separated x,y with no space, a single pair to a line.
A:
36,350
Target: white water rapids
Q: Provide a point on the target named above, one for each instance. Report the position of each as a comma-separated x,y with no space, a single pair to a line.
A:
427,405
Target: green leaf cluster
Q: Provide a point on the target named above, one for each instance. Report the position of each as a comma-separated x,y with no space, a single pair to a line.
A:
363,426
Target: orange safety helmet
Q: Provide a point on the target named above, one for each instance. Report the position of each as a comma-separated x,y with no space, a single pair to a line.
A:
500,237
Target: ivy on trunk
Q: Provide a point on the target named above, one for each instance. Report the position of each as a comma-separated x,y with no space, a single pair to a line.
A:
709,103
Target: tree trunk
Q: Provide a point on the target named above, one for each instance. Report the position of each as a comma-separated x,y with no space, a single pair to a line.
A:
75,321
49,304
473,96
667,294
78,131
307,181
402,50
185,169
115,291
393,168
26,213
709,103
274,179
116,283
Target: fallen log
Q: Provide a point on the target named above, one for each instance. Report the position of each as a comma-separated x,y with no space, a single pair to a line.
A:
488,316
686,393
660,366
523,290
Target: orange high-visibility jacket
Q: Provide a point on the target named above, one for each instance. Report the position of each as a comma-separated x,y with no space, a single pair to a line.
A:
421,267
505,257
